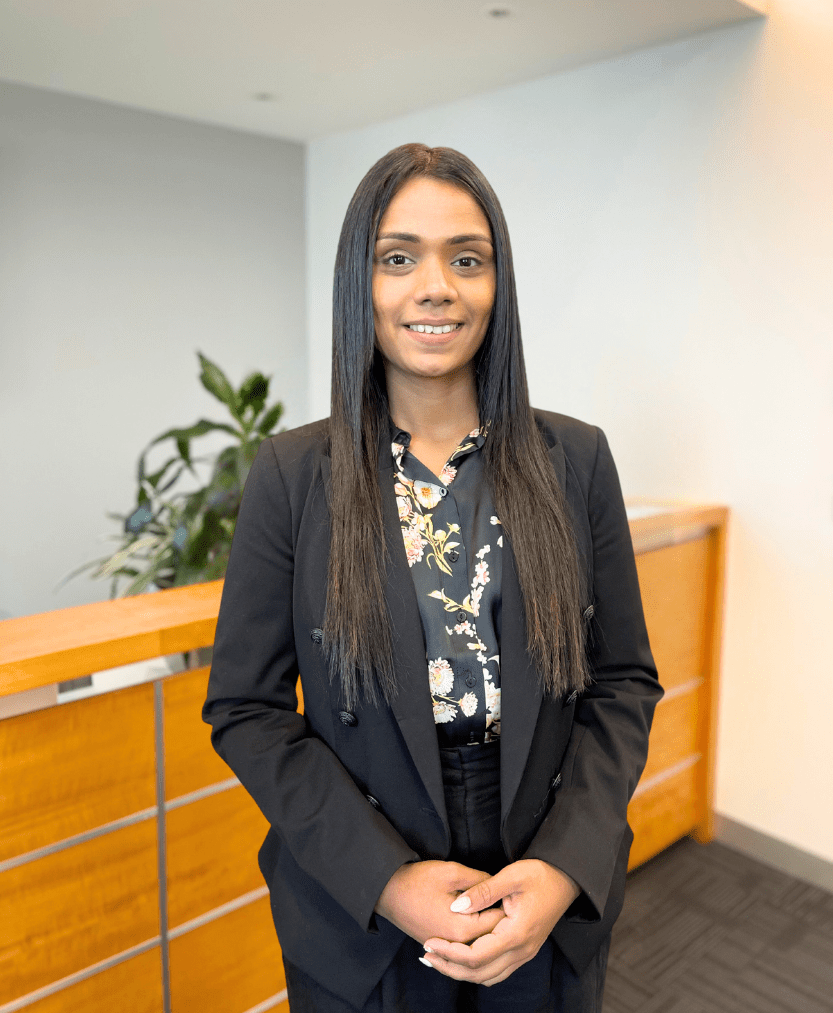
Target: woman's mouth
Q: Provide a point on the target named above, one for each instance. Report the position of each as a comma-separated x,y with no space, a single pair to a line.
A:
433,328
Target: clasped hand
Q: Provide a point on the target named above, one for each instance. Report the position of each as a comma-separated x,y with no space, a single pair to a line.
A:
449,908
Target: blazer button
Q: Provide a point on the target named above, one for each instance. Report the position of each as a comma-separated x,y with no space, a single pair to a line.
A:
453,555
554,783
373,801
571,698
316,636
589,612
348,718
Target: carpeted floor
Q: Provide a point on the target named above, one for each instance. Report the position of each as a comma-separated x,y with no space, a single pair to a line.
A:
708,930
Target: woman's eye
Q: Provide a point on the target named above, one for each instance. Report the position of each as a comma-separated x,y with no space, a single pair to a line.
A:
396,260
467,261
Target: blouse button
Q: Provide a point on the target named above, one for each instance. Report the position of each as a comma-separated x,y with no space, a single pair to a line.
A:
453,555
461,616
470,680
348,718
443,492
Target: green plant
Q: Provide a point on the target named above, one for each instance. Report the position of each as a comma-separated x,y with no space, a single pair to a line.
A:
172,538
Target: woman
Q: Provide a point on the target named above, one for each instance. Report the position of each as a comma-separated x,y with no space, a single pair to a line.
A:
452,575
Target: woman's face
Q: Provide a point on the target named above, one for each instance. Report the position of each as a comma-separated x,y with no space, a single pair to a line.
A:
433,280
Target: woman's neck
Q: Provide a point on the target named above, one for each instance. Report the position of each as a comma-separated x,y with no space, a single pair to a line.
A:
437,411
434,409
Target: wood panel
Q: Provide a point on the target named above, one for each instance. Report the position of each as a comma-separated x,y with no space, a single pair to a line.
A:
75,767
672,524
675,595
190,760
674,733
42,649
134,985
212,853
707,735
663,815
240,949
72,909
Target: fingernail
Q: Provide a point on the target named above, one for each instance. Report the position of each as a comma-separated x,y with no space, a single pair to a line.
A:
427,949
461,904
427,963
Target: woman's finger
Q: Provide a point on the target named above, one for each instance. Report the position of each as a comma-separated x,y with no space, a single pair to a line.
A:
480,953
488,892
501,977
481,923
477,972
461,877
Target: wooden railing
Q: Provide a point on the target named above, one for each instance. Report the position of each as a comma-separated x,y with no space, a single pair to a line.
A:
56,646
128,871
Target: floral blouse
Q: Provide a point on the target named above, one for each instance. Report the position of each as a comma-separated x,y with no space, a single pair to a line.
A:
453,542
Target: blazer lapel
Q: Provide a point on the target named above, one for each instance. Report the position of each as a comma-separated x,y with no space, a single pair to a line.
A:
412,704
521,689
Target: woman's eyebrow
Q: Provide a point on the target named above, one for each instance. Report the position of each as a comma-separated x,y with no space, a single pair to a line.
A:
409,237
473,237
403,237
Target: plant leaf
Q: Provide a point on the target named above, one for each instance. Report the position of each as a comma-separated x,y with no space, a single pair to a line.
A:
216,382
79,570
154,479
141,516
171,481
140,583
184,436
253,393
270,419
118,558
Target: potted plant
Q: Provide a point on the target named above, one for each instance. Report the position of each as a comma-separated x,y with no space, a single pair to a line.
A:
172,537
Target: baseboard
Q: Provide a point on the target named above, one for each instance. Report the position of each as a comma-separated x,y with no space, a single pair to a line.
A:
769,850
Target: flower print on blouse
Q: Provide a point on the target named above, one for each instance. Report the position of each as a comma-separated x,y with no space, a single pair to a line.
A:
453,543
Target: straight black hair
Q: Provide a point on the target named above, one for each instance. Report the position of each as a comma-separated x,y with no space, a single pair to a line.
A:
527,496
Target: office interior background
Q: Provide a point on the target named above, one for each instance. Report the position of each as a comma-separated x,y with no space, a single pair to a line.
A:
671,213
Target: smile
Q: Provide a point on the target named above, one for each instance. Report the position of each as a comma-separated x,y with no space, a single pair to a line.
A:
428,329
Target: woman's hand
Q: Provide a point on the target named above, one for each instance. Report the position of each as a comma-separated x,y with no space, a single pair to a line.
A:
534,896
418,899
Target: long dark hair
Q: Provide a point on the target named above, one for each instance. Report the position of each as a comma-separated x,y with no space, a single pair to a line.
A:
527,497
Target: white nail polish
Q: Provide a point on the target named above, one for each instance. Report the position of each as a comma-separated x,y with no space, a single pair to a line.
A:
427,949
461,904
427,963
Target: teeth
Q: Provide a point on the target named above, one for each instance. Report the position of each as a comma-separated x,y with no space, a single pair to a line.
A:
428,329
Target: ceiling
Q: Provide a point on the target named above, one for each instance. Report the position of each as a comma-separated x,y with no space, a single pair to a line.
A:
298,70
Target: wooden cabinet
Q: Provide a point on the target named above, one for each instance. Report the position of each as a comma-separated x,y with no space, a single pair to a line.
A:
680,561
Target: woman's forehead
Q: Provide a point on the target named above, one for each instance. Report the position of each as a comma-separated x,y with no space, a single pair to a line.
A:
431,209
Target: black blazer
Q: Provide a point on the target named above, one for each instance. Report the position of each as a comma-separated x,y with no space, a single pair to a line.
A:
351,796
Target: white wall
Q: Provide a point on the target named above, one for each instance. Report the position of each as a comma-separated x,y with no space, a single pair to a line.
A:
127,242
672,221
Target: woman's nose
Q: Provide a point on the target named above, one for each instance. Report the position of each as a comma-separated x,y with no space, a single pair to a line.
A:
435,282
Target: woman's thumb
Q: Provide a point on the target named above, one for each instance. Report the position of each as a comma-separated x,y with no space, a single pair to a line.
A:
480,896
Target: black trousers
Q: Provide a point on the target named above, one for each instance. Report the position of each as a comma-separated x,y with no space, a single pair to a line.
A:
545,984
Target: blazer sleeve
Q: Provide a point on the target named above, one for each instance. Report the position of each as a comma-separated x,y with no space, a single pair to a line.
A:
298,782
608,744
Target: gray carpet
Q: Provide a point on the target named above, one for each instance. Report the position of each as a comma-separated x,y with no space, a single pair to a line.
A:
708,930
